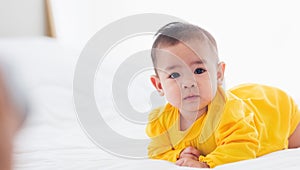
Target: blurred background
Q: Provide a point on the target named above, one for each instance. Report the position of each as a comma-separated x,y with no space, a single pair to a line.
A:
259,40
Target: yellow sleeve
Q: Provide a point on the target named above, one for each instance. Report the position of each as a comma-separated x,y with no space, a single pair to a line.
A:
236,138
295,117
160,146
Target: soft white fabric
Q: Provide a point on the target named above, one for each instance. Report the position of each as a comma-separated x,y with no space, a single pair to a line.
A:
52,137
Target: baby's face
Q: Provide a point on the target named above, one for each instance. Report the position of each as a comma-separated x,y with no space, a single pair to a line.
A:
187,75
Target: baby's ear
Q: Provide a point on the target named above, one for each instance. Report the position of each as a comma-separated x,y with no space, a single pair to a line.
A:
157,84
220,74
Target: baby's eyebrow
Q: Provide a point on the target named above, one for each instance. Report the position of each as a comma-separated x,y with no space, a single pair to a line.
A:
178,66
198,62
172,67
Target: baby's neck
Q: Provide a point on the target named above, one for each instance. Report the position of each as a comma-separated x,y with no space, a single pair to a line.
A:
187,118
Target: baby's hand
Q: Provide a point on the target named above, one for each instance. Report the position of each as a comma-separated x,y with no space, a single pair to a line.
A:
191,163
190,152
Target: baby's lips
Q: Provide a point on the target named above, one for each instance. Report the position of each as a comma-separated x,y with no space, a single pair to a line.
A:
191,96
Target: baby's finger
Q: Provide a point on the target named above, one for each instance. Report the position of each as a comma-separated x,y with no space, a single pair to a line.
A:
179,162
188,155
191,150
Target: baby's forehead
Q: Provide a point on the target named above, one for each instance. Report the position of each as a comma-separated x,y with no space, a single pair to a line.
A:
193,49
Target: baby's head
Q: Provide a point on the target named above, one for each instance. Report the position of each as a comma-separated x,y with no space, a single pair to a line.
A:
187,66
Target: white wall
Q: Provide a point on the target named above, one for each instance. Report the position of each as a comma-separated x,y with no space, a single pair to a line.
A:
22,18
259,40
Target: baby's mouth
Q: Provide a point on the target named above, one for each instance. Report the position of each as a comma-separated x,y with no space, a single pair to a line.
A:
191,97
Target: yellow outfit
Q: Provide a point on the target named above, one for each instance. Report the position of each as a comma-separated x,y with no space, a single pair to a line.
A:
245,122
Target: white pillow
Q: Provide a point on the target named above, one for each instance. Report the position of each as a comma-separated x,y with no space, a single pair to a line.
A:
39,60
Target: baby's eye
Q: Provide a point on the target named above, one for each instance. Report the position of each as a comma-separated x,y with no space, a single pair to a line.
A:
174,75
199,71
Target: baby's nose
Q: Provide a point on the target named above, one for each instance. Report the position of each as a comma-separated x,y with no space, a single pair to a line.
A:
188,84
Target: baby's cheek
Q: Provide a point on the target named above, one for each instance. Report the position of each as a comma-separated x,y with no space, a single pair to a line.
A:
207,90
173,95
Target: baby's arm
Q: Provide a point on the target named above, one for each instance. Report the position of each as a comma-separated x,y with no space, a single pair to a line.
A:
160,146
237,139
169,155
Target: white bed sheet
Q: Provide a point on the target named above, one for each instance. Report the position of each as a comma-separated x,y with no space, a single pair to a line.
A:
52,137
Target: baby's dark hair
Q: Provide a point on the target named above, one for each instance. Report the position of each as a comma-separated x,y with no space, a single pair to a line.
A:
176,32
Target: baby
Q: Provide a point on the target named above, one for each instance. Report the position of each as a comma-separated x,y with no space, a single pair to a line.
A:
202,125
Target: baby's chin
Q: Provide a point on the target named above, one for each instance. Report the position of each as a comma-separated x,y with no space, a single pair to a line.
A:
192,108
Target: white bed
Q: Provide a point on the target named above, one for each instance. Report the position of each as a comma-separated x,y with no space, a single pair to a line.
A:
52,137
